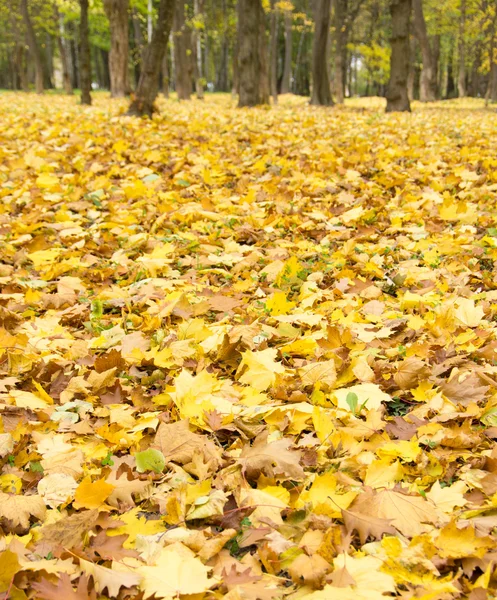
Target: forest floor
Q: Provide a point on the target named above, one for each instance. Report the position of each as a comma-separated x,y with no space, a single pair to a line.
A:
247,353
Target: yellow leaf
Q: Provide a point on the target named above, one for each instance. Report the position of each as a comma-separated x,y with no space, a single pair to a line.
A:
259,369
47,181
277,304
92,494
176,572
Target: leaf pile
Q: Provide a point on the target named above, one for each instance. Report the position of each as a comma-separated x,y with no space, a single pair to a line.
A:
247,354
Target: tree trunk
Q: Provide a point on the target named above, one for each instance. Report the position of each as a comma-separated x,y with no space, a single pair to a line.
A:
428,90
397,97
73,46
461,77
33,47
148,86
321,91
491,94
165,74
250,40
139,42
339,25
63,51
287,67
198,9
182,52
264,89
21,68
274,53
411,76
117,13
84,54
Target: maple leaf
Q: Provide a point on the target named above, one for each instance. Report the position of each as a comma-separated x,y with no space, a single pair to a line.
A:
179,444
309,570
274,459
70,531
176,571
408,514
259,369
19,509
92,494
366,525
64,589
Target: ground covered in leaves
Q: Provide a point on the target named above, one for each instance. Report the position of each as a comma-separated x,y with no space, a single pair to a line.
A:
247,354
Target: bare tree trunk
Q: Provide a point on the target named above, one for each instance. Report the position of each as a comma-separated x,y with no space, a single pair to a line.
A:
265,91
491,93
66,75
461,77
21,68
287,66
199,79
182,53
150,25
148,86
117,13
339,25
250,23
84,54
33,47
428,89
321,91
273,60
411,76
397,97
165,74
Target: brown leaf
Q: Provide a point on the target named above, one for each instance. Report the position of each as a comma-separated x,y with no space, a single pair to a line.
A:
309,570
70,531
178,444
109,547
466,391
408,514
63,590
409,373
273,460
366,525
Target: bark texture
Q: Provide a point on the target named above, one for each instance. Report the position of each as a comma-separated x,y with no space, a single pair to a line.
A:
117,13
250,40
148,86
84,54
64,56
287,65
183,53
461,76
321,90
397,95
428,91
198,8
34,50
274,52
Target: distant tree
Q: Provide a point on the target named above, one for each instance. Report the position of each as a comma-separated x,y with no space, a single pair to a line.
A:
251,73
287,65
34,50
148,86
397,93
321,90
182,52
273,72
428,86
461,78
84,54
117,13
